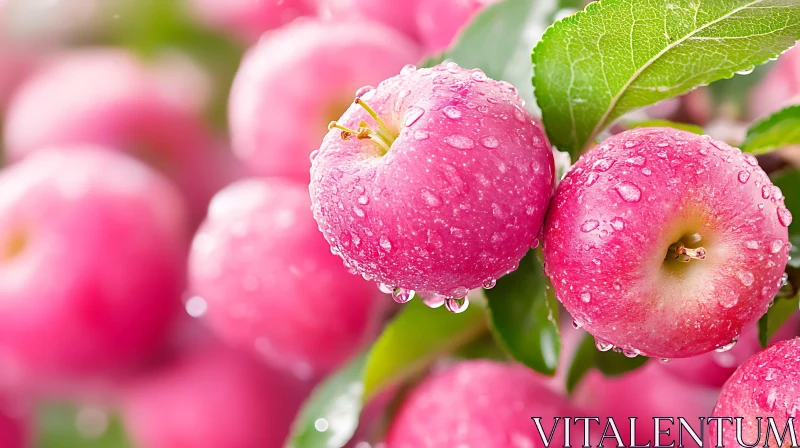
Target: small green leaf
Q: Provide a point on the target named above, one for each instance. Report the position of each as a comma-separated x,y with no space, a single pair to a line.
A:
524,317
693,128
609,363
619,55
771,322
774,132
330,416
408,345
499,40
415,339
57,428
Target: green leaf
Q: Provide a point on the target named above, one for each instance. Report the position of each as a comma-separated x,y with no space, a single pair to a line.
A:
771,322
408,345
57,428
619,55
415,339
774,132
499,40
609,363
524,317
330,416
693,128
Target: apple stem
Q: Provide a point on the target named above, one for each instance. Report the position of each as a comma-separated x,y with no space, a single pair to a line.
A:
383,130
689,254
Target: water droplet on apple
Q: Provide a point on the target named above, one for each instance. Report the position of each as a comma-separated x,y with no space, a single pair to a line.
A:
477,75
751,160
766,192
386,289
363,200
385,243
408,69
490,142
402,295
751,244
646,171
631,143
432,300
784,216
413,114
589,225
591,179
519,114
602,345
535,243
630,352
358,211
776,246
420,135
727,346
586,297
483,109
313,155
456,305
489,284
459,141
744,176
745,278
618,223
575,324
603,165
628,192
664,360
431,199
636,161
363,91
452,112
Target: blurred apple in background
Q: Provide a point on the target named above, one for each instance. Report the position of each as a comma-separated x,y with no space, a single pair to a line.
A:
108,97
265,279
248,19
779,88
440,21
211,397
400,15
16,426
298,79
92,259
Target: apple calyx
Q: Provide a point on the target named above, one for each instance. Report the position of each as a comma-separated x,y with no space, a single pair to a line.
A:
686,254
382,136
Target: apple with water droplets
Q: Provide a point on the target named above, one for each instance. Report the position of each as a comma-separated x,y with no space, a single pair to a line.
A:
479,404
666,243
437,181
265,279
766,385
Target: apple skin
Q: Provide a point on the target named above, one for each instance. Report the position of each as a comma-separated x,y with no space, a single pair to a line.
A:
779,88
92,264
479,404
296,80
71,101
766,385
457,201
618,211
211,397
399,15
439,21
644,393
713,369
249,19
16,424
271,283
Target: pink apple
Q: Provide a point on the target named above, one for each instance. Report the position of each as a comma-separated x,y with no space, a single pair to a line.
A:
644,393
92,248
666,243
399,15
15,424
249,18
713,369
779,88
766,385
16,64
212,397
440,21
108,97
299,78
443,190
270,283
477,404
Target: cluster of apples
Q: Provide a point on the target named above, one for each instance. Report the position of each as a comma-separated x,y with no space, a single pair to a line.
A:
123,211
